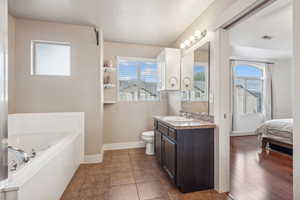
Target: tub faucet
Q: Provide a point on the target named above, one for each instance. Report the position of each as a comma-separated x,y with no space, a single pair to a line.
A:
22,155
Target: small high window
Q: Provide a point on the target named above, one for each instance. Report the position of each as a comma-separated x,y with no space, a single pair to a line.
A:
50,58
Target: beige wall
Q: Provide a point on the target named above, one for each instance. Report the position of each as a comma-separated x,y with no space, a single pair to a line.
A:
78,93
205,20
195,107
11,64
124,121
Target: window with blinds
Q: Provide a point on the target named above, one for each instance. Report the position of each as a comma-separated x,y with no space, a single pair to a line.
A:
137,79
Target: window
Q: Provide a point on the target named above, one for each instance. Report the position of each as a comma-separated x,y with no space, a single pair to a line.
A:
199,92
50,58
137,79
248,89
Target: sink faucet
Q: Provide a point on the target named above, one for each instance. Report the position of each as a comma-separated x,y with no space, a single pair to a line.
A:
22,155
185,114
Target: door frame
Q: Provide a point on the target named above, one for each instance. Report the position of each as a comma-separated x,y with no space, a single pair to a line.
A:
221,74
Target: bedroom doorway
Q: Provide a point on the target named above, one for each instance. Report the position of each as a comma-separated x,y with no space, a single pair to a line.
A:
261,57
248,90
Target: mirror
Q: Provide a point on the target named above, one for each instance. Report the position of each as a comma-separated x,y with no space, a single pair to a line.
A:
195,80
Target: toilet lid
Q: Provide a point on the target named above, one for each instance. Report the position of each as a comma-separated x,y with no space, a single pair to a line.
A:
148,133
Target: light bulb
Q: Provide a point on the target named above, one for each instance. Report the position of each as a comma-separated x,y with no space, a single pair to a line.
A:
197,34
192,38
187,42
182,45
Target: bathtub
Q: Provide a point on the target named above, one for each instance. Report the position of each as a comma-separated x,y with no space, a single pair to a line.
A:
58,140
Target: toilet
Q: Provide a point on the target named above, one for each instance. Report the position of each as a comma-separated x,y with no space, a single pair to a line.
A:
148,138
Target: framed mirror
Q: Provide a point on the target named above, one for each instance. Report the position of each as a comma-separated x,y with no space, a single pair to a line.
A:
196,80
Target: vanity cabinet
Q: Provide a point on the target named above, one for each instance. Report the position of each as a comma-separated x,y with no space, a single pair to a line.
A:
168,66
186,155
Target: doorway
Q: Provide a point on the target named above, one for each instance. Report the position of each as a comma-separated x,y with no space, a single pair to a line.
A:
261,93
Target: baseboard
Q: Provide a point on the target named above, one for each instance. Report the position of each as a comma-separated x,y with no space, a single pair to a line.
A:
97,158
124,145
242,133
94,158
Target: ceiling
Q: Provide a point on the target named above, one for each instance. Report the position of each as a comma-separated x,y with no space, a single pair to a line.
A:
154,22
276,21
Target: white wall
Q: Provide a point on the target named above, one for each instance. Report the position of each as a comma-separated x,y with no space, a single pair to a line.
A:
282,88
125,121
78,93
11,64
296,100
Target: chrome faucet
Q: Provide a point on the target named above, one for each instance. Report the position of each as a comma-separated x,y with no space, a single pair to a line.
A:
22,155
185,114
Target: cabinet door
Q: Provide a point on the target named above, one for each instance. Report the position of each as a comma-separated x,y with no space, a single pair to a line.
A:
172,60
158,146
161,68
187,71
169,157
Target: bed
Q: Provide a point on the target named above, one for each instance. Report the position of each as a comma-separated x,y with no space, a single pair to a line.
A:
276,131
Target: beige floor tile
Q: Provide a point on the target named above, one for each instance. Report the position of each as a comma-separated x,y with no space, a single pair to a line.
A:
150,190
121,178
124,192
128,175
145,175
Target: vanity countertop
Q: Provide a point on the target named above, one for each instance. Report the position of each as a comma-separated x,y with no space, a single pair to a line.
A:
193,124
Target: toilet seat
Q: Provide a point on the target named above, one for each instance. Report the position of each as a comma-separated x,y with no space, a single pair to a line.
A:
148,134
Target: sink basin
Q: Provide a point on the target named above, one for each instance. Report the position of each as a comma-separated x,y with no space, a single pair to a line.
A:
177,119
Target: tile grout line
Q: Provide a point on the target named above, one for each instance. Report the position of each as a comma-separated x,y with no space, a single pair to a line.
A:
137,190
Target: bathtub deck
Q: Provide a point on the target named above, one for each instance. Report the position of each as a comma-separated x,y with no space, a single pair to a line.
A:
128,175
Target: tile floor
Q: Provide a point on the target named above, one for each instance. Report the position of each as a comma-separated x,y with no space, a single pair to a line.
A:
128,175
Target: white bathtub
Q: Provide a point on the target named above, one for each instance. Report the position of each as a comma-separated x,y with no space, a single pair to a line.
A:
58,140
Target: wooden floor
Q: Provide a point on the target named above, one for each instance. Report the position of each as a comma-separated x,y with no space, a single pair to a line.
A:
128,175
259,175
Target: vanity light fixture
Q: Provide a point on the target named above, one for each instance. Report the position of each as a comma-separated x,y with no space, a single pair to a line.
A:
198,35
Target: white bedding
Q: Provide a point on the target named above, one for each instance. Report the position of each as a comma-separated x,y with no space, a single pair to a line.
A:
277,129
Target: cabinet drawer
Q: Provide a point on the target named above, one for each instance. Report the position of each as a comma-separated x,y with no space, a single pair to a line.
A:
172,134
163,129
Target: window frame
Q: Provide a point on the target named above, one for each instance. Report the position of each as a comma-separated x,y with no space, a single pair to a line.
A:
135,59
33,57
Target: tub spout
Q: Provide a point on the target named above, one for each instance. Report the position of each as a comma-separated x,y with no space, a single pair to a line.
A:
20,153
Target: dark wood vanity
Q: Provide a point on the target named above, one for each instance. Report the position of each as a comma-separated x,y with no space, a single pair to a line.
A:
185,151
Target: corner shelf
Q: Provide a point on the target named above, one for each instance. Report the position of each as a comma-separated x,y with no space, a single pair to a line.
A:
109,69
110,102
109,85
